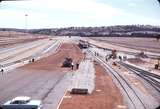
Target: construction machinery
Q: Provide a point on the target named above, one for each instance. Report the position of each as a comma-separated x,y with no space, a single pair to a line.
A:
113,55
83,44
142,55
67,62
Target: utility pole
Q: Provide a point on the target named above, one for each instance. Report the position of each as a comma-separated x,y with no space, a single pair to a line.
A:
26,15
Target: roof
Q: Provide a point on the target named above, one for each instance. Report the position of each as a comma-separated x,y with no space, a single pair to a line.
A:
21,98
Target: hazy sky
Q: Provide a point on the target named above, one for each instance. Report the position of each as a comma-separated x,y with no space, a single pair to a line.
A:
66,13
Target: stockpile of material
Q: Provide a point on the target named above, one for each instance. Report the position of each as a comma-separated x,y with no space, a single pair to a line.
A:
83,78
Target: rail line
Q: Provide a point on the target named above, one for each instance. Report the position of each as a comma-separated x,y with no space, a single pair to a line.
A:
149,77
134,100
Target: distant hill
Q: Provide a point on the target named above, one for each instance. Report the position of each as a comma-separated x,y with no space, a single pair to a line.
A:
115,31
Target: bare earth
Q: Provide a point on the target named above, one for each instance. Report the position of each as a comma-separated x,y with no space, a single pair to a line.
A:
54,61
10,38
144,44
146,63
105,96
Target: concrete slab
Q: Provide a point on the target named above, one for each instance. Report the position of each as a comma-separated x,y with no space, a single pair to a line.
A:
84,77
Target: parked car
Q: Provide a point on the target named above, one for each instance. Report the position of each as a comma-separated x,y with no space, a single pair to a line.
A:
22,102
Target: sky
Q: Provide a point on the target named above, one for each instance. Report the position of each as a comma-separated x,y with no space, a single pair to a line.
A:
78,13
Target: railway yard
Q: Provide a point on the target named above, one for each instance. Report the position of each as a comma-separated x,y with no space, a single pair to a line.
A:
106,74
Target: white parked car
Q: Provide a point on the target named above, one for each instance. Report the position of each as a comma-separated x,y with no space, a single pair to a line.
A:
22,102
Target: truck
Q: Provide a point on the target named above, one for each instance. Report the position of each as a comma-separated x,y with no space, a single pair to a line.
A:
83,44
22,102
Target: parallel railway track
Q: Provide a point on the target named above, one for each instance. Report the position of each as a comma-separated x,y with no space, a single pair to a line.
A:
133,99
151,78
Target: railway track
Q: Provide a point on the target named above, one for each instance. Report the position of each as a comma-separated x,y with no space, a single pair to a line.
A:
151,78
133,99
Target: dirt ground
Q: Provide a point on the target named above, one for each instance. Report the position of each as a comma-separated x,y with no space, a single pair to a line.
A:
146,63
54,61
144,44
131,77
105,96
10,38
